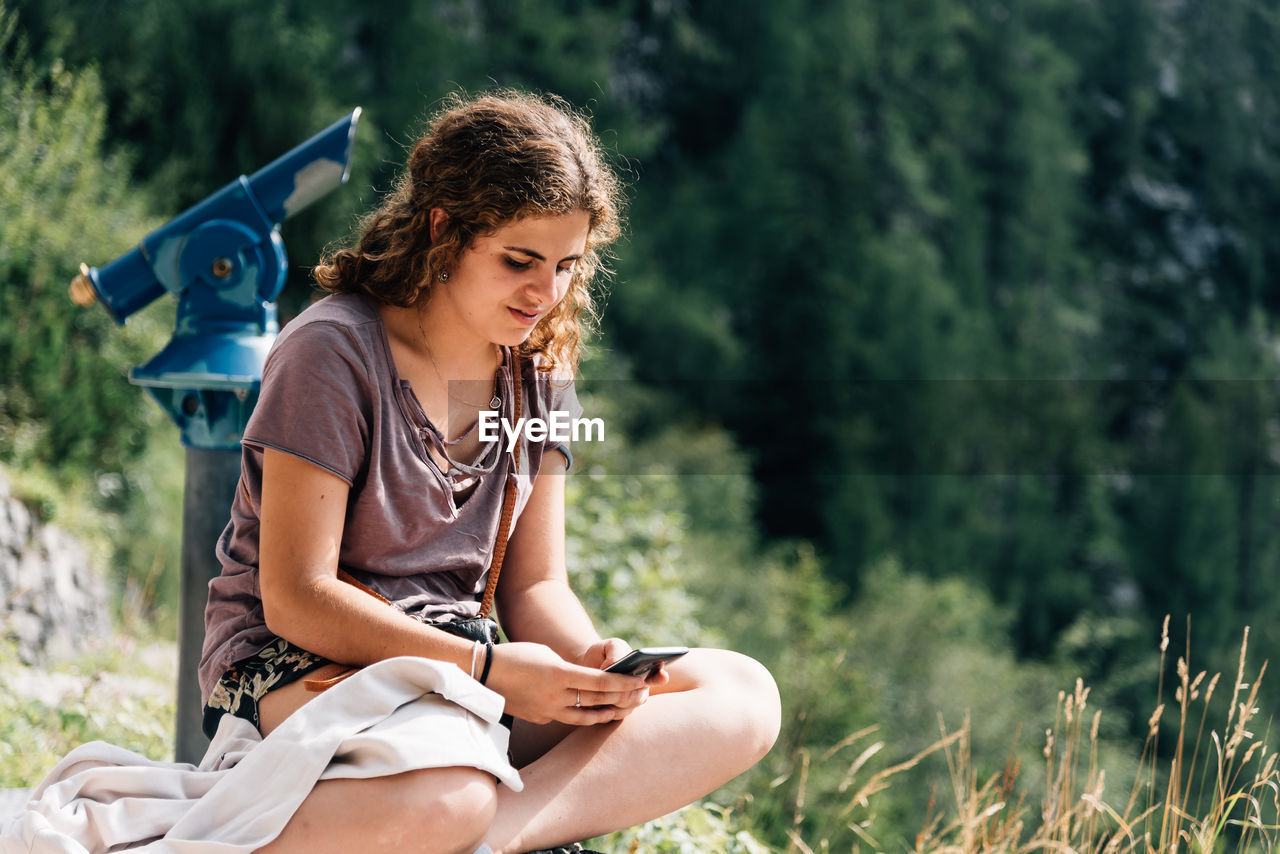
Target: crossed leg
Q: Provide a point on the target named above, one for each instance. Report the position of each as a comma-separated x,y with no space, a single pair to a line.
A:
716,718
432,811
719,714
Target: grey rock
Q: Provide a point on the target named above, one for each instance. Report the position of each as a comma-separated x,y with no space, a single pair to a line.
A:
53,602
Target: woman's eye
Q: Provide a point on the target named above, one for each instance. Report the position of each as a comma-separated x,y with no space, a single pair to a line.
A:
517,265
564,270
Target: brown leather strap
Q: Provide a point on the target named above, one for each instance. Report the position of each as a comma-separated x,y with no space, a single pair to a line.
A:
508,499
316,686
343,575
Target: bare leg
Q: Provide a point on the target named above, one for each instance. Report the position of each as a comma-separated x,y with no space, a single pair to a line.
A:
433,811
436,811
719,715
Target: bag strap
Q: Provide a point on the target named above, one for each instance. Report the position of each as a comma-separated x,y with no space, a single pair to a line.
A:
508,499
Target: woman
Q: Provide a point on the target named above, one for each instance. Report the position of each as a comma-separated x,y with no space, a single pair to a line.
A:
464,292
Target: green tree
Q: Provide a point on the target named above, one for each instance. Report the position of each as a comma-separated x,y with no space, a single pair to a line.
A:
866,230
66,403
83,444
1178,115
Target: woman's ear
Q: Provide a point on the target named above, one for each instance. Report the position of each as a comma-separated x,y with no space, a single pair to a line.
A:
438,221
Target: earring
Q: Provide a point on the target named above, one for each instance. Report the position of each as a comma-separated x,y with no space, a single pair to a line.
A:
444,275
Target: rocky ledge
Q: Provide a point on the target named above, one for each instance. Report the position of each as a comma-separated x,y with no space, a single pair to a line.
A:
52,601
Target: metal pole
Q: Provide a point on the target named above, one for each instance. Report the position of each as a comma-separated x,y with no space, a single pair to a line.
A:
211,480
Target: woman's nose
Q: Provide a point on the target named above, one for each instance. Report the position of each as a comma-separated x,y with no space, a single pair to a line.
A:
544,284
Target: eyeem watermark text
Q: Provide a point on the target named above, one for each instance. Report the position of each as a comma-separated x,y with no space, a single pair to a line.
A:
560,427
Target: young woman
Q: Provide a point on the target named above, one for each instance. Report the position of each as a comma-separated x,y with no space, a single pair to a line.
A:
363,463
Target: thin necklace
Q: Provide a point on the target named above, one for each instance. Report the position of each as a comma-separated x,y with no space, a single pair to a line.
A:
495,402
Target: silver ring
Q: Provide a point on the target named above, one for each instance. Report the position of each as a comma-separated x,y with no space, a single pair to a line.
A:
578,705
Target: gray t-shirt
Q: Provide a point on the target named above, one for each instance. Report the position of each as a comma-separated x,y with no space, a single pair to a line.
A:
331,395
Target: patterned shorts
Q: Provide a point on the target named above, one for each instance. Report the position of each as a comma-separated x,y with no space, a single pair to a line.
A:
247,681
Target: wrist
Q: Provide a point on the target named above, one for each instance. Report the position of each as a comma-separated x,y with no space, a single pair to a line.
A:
442,646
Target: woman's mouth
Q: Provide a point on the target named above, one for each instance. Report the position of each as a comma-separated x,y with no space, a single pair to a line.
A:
528,318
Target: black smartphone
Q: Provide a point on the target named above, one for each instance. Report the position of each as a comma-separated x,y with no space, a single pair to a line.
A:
642,662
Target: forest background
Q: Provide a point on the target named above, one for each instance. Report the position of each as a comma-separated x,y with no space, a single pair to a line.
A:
940,357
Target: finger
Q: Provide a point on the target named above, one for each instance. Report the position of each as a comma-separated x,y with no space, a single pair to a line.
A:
658,677
633,700
617,699
601,680
614,649
592,716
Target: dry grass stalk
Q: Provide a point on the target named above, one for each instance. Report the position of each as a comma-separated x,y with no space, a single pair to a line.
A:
797,814
1226,799
880,780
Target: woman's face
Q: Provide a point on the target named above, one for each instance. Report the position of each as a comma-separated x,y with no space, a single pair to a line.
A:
507,281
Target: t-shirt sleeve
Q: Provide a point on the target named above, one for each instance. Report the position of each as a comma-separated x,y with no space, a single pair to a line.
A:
316,401
562,399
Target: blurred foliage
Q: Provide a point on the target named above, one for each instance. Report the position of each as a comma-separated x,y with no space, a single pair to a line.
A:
910,197
63,199
639,514
85,448
36,734
694,830
865,684
626,549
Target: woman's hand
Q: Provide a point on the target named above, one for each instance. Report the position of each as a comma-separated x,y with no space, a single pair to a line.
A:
605,652
602,653
540,686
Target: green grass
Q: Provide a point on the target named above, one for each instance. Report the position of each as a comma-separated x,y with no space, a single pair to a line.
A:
104,699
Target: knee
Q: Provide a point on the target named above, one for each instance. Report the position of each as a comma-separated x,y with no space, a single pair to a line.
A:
447,809
749,703
764,715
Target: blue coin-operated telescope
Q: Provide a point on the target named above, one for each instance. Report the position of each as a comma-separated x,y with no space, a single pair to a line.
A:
225,262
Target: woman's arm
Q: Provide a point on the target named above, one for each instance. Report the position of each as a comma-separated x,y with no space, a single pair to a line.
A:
534,598
302,518
540,612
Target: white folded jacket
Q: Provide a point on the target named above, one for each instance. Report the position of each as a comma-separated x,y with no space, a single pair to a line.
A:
397,715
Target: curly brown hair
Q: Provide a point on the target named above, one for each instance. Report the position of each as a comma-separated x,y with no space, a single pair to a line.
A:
487,161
